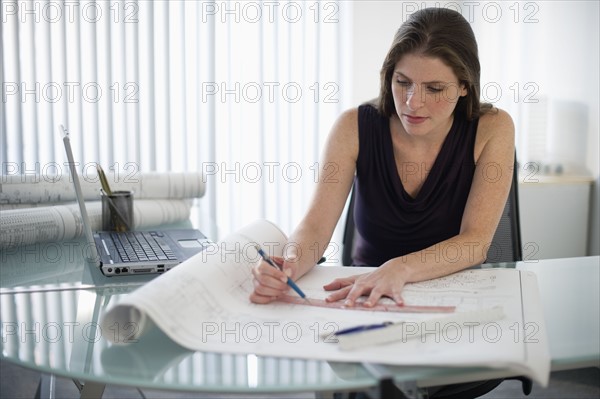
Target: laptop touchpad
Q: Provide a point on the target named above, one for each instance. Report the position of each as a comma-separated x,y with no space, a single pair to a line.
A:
193,243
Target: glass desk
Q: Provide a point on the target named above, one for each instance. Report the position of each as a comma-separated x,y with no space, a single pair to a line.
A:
50,304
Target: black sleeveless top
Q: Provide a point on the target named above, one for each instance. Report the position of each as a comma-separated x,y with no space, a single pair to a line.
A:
389,222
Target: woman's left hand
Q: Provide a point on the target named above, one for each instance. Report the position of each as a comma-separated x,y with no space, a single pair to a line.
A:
387,280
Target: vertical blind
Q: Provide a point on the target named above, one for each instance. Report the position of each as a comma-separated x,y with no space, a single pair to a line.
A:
243,91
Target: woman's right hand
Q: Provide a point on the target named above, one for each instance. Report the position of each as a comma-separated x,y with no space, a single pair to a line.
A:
269,282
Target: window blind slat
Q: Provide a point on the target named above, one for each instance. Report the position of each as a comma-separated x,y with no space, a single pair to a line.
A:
3,131
11,92
208,146
44,82
30,89
191,80
146,86
120,88
58,43
132,81
73,77
107,145
162,86
90,87
177,65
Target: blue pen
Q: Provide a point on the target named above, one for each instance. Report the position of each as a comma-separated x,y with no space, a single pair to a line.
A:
290,282
367,327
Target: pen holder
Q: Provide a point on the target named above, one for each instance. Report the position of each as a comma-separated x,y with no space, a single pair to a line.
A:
117,211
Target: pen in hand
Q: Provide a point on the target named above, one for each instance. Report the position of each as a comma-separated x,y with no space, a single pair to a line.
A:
290,282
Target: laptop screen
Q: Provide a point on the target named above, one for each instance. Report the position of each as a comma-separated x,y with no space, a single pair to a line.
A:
91,254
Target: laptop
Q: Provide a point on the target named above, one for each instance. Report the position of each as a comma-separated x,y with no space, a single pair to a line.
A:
133,252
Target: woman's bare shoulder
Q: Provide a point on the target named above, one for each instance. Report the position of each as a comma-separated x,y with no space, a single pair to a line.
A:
495,121
348,120
495,130
344,132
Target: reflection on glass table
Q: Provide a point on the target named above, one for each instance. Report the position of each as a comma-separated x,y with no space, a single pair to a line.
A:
56,330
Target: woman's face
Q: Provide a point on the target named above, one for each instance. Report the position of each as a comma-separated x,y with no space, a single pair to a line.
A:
425,92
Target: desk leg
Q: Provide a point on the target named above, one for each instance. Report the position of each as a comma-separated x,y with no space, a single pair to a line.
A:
46,387
388,388
90,390
325,395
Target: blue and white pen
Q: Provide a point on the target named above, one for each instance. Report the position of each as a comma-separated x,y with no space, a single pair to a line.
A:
289,282
362,328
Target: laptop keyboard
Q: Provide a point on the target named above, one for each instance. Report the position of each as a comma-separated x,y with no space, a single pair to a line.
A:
139,246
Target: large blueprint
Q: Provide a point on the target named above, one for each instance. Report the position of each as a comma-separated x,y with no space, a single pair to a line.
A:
203,305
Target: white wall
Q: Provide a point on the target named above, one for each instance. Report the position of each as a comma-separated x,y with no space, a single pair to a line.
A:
552,45
375,23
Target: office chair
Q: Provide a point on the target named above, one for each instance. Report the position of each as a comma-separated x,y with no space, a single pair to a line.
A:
505,247
506,244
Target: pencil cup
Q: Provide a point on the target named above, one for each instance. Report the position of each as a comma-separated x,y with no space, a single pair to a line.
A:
117,211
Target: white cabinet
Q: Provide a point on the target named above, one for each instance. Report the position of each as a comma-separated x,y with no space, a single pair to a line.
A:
554,214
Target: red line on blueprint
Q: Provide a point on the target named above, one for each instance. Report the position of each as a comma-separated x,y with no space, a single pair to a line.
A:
377,308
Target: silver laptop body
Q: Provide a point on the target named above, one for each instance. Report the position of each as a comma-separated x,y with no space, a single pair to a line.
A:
133,252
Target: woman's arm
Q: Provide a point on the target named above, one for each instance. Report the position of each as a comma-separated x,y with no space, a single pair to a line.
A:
494,154
311,237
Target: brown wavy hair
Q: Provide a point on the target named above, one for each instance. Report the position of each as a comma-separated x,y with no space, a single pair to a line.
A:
441,33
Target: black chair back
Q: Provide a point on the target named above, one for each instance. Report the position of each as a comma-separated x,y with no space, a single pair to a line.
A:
506,245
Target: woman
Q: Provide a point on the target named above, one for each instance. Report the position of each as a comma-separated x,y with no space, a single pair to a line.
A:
431,168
